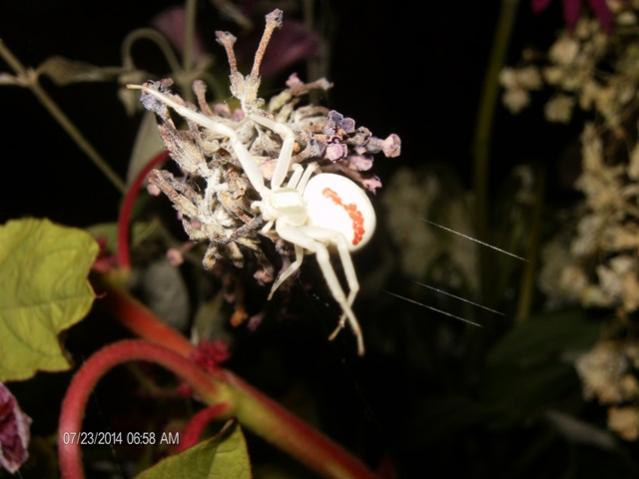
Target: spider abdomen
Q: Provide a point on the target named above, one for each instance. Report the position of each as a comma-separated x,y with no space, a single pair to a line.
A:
334,202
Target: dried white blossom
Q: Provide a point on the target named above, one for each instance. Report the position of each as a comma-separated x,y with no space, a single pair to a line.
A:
559,109
604,372
529,77
516,99
564,50
624,421
594,260
518,82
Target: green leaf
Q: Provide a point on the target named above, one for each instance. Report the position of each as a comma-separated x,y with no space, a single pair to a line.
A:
530,371
45,290
223,457
108,232
578,431
545,337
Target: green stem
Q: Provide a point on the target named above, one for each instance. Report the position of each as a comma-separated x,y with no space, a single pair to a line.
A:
309,22
64,121
486,112
189,42
528,279
276,425
153,36
189,34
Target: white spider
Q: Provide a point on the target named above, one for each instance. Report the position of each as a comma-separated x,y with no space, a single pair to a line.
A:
312,212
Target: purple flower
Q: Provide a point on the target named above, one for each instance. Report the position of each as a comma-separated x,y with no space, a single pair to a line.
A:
337,124
572,11
14,432
336,151
391,146
360,163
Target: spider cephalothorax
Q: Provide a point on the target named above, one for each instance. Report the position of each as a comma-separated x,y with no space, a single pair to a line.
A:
293,164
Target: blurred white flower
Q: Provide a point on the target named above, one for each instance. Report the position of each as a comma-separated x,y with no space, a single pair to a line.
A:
559,109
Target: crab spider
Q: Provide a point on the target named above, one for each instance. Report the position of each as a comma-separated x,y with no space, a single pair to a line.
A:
313,212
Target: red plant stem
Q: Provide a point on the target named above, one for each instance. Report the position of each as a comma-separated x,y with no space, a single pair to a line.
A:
75,400
195,427
139,319
124,217
253,409
272,422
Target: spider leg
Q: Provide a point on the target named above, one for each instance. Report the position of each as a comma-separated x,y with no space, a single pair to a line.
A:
286,152
310,169
249,165
351,279
295,177
292,268
347,264
267,227
304,237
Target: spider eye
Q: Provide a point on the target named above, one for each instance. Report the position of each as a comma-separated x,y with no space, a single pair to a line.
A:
337,203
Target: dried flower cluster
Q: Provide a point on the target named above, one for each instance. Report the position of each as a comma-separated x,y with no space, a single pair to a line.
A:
608,375
584,67
212,193
595,261
598,264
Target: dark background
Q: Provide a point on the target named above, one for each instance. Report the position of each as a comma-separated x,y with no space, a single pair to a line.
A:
413,68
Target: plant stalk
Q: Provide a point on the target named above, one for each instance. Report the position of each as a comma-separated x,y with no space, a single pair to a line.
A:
126,210
195,427
100,363
527,288
153,36
276,425
189,34
63,120
485,121
253,409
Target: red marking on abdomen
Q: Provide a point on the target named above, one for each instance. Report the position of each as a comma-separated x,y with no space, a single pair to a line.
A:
354,214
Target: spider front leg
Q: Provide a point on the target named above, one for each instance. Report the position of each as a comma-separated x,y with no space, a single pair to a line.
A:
310,169
303,236
286,152
249,165
300,176
296,176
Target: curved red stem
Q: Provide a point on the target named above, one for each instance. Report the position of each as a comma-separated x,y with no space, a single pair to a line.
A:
253,409
137,318
75,400
195,427
124,217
